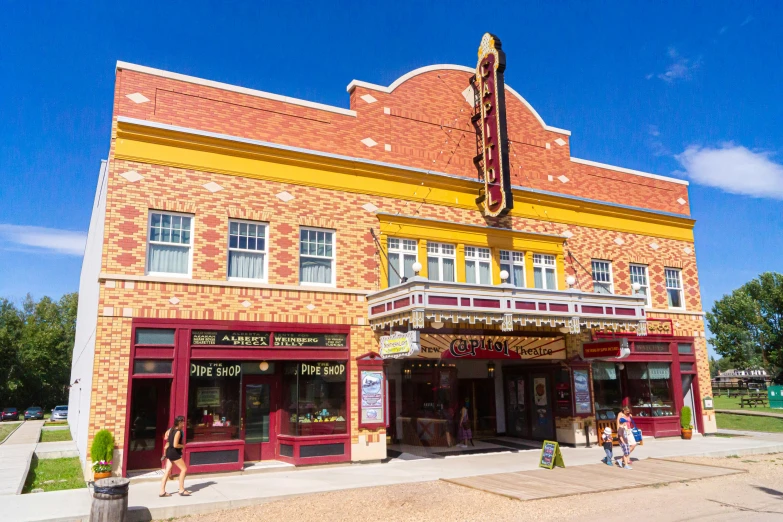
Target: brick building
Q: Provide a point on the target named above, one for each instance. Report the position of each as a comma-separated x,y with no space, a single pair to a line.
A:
247,251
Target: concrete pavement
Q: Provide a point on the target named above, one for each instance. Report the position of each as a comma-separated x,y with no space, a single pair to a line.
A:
15,456
217,492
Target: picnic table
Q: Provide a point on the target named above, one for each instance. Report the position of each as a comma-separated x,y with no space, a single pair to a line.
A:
753,400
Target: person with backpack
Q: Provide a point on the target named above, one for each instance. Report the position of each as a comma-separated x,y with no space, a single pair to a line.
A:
175,443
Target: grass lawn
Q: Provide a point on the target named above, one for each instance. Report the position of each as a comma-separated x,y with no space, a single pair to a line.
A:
55,435
54,475
728,421
6,428
733,403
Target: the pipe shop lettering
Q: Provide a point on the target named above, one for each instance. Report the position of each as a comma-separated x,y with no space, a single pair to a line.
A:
323,369
215,369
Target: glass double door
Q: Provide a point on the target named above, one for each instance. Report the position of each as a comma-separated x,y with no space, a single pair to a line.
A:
529,408
259,416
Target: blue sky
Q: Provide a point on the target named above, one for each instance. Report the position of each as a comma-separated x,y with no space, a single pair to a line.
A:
674,89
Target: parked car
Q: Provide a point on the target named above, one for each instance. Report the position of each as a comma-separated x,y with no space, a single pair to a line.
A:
60,413
33,412
10,414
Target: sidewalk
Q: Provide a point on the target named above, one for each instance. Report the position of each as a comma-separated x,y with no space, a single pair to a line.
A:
751,412
216,492
15,456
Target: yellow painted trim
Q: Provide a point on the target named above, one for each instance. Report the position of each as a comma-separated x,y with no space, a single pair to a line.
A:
461,234
460,268
384,272
530,281
496,266
189,151
423,257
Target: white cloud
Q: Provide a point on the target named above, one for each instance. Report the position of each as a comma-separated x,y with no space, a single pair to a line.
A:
723,29
66,242
748,20
680,68
734,169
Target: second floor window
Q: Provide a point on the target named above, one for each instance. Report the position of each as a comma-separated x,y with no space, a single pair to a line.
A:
170,243
316,257
402,256
544,271
639,275
478,266
247,246
514,264
674,287
440,262
602,277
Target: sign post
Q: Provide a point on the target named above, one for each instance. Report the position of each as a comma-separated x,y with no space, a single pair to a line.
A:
551,456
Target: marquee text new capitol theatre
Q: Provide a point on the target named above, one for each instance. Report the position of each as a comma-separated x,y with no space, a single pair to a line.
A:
311,284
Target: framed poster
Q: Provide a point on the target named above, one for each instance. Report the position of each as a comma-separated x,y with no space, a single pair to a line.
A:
371,397
539,391
207,396
582,397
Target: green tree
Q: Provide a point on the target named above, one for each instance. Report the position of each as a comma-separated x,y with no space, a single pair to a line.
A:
718,365
36,346
747,325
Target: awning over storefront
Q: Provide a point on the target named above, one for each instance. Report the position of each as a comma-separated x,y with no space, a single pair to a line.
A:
420,300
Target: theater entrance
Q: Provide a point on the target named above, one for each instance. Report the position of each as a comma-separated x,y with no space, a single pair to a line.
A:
528,404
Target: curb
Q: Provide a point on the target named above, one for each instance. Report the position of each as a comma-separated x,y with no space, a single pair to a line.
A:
751,413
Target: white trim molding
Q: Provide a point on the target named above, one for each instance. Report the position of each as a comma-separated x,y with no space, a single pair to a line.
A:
628,171
448,67
233,88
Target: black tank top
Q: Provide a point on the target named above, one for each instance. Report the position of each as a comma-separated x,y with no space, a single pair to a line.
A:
173,453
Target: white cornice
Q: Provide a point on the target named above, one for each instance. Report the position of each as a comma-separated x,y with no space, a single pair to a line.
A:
448,67
628,171
233,88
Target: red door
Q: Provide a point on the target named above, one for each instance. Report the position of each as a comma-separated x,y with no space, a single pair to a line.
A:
259,416
150,400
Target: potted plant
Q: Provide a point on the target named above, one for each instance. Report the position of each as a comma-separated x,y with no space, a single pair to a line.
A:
685,423
101,451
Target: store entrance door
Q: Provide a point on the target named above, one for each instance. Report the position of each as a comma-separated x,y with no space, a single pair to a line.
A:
259,416
150,403
481,394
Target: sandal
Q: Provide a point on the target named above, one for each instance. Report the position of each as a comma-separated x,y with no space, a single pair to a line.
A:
165,495
184,493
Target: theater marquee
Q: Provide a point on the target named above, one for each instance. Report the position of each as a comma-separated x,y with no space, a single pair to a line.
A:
445,346
492,160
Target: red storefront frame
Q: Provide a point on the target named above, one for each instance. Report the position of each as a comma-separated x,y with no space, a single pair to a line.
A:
665,426
181,354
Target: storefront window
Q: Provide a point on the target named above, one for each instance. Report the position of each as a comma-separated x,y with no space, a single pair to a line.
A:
214,401
650,389
314,398
607,390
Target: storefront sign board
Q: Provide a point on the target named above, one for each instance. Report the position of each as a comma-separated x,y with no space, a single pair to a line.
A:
306,340
399,344
215,369
228,338
493,162
323,369
447,346
372,399
551,455
606,348
582,392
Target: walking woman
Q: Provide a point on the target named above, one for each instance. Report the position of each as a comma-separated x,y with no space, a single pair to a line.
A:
626,414
174,444
464,431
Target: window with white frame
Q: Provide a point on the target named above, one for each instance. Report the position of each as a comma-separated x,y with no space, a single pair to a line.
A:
247,254
170,243
402,256
514,264
602,277
441,261
316,257
478,266
544,271
674,287
639,276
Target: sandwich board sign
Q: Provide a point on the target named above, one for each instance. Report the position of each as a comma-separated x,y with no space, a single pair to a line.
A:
551,456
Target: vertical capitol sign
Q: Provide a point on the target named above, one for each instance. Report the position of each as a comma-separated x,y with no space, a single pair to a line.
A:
493,138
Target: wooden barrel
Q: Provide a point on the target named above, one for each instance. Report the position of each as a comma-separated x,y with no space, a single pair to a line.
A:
110,500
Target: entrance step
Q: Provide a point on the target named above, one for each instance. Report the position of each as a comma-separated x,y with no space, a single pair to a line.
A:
266,465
